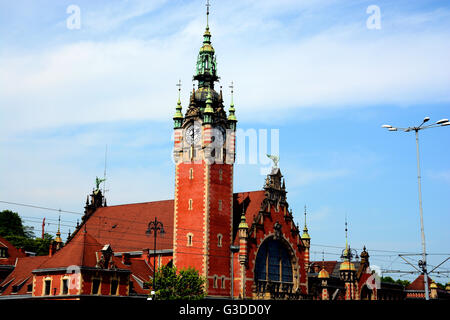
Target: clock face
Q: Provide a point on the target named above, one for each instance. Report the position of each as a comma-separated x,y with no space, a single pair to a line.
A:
193,133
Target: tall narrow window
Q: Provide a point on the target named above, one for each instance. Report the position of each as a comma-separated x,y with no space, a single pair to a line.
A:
190,204
220,205
114,286
219,240
189,239
65,286
215,282
220,174
95,286
191,173
47,284
222,282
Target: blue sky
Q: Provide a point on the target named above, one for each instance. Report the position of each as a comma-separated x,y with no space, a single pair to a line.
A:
310,69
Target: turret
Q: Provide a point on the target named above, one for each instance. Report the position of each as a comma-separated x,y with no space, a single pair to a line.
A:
347,270
324,276
178,117
306,239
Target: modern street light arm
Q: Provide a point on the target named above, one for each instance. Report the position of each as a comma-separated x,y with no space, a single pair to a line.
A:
440,123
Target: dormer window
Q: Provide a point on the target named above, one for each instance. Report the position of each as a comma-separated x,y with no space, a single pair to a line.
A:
3,252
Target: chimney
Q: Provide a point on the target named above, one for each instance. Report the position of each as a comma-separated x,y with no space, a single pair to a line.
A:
52,249
126,258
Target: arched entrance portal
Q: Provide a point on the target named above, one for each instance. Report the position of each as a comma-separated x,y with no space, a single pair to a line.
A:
366,293
274,276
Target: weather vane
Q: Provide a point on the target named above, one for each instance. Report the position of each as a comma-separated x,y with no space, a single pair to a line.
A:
98,181
275,160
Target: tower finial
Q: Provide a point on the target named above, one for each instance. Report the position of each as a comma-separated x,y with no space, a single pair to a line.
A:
323,259
179,90
58,233
306,228
207,14
346,236
232,91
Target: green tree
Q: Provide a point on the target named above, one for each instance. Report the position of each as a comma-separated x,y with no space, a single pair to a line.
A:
42,246
398,281
403,282
21,236
387,279
186,284
11,224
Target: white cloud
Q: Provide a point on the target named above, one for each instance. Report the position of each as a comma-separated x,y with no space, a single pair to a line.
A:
134,78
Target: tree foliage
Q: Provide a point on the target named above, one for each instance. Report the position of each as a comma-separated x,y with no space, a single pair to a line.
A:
398,281
11,224
186,284
21,236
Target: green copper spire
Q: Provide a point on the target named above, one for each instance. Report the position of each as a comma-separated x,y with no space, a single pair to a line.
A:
232,116
208,112
305,234
178,117
206,69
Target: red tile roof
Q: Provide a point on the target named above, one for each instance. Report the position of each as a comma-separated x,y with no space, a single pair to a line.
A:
13,253
124,226
419,283
330,266
82,251
141,270
251,203
22,272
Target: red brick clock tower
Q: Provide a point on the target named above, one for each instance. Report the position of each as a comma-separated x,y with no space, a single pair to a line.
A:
204,154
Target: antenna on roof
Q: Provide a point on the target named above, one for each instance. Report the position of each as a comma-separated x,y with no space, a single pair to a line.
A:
104,172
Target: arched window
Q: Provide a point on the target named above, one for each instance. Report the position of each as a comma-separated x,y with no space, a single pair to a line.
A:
273,262
219,240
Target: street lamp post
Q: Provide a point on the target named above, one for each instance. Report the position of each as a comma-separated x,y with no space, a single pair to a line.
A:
440,123
155,226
